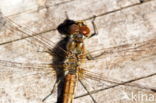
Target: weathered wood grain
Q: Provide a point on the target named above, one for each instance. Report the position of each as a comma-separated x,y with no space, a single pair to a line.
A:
126,41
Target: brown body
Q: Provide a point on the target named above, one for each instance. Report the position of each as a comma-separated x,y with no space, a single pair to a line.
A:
69,88
76,56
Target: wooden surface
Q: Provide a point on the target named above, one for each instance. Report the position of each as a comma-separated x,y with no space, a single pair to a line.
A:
124,49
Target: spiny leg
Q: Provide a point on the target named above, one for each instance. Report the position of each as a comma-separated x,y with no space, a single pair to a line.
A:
55,85
57,82
87,91
94,27
89,56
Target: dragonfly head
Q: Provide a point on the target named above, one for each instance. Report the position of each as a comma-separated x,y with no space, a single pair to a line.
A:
84,30
70,27
79,28
63,28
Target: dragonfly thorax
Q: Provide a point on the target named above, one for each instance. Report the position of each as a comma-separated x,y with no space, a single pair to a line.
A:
77,38
76,53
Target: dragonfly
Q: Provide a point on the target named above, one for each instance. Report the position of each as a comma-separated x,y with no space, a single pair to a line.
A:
112,57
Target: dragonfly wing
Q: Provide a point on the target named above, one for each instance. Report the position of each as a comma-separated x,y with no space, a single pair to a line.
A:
32,68
27,33
26,80
127,77
114,67
104,79
113,57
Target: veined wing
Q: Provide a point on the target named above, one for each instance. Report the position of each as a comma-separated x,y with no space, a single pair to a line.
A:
107,84
25,65
115,56
24,70
28,33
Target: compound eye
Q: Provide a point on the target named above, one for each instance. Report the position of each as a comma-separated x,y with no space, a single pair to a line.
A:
84,30
73,29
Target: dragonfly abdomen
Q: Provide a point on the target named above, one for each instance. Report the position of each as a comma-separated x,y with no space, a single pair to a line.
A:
70,84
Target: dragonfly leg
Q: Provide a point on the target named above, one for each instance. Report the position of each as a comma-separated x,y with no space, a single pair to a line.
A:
89,56
55,85
94,27
94,101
